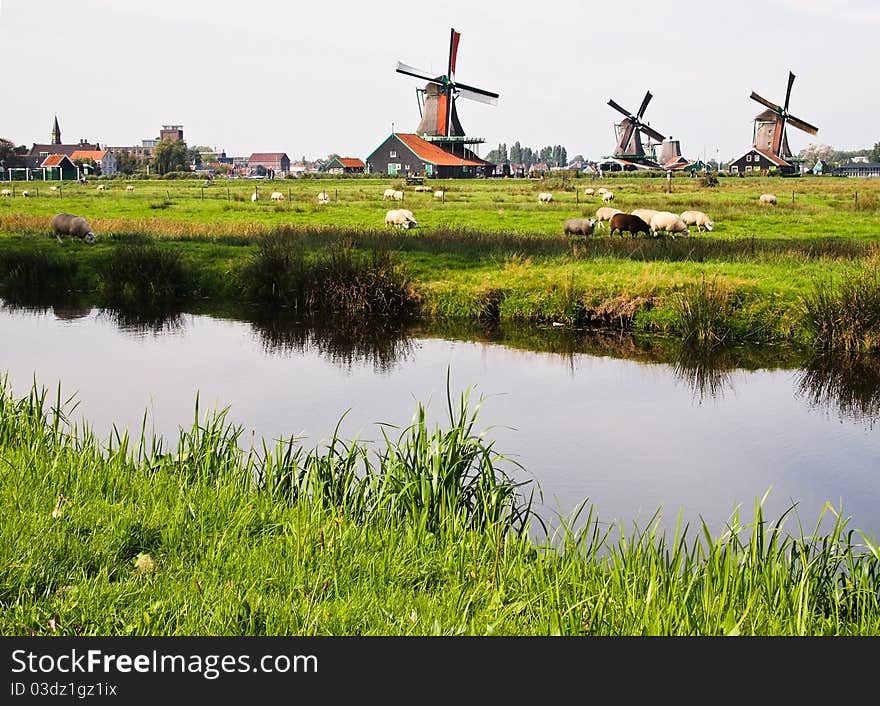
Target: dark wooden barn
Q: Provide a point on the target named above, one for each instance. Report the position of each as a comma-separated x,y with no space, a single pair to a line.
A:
756,160
408,154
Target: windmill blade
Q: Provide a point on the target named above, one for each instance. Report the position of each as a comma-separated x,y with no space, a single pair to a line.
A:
454,37
644,104
474,96
765,102
627,134
788,90
619,109
474,89
802,125
653,133
418,73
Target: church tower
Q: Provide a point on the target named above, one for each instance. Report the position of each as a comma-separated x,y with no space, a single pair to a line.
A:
56,133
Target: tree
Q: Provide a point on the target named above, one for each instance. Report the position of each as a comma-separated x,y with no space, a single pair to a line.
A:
170,156
10,154
126,163
194,157
813,153
875,153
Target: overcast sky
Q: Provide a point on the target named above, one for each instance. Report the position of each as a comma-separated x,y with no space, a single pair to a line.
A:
311,78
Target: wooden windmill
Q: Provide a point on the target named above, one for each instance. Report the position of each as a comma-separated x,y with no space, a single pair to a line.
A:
629,130
437,99
769,133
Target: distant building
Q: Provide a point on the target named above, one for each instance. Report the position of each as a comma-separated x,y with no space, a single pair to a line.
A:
345,165
277,162
59,167
757,160
858,169
103,158
409,155
172,133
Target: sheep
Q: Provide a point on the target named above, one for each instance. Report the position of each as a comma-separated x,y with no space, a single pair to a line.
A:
646,214
323,198
698,219
6,192
99,187
76,226
53,188
129,188
389,194
401,218
544,197
254,197
398,196
439,194
605,212
768,199
588,192
608,197
579,226
667,222
423,189
276,196
26,193
628,223
601,190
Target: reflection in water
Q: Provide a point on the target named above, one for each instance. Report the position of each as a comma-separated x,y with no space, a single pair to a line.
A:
344,341
849,385
707,371
141,321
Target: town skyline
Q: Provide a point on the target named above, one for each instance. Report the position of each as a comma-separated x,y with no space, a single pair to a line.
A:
239,94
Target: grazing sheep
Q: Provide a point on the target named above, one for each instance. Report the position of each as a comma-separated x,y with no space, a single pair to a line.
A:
422,189
628,223
401,218
389,194
646,214
667,222
588,192
608,197
605,212
6,192
579,226
398,196
99,187
768,199
75,226
601,190
276,196
53,188
25,193
698,219
544,197
323,198
129,188
439,194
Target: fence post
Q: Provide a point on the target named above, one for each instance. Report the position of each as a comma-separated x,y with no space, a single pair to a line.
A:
288,193
336,194
856,199
167,194
203,193
60,193
227,193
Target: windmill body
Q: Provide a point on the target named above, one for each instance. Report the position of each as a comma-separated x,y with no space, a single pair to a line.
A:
630,152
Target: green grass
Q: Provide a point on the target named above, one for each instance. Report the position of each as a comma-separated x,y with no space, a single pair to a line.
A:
491,252
423,535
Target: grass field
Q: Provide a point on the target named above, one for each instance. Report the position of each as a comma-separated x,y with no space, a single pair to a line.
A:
490,250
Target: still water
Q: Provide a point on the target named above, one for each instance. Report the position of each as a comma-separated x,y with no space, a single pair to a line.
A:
629,427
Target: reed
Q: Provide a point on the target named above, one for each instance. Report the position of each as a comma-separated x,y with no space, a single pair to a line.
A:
844,316
143,274
702,309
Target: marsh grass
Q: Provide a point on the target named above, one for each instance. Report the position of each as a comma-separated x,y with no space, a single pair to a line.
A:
703,310
24,273
423,536
844,316
144,274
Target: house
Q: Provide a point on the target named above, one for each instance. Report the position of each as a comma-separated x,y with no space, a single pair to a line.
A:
103,158
410,155
761,161
59,167
858,169
277,163
819,167
344,165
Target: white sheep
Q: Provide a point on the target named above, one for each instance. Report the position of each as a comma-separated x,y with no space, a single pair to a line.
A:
544,197
588,192
422,189
53,188
439,194
608,197
668,222
129,188
99,187
389,194
25,193
601,190
604,214
276,196
401,218
646,214
323,198
698,219
398,196
579,226
6,192
768,199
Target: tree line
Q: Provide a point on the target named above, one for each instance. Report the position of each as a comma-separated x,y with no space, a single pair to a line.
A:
551,155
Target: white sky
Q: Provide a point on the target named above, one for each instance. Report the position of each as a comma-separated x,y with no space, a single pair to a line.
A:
311,78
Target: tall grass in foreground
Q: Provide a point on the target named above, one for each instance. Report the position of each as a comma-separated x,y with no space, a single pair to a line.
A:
845,316
421,537
702,310
143,274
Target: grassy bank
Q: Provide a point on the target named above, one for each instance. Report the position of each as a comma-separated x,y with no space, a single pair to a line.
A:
769,269
421,535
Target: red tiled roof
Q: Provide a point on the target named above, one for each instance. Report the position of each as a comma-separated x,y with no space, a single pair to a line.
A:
351,162
778,161
53,160
266,156
430,152
94,155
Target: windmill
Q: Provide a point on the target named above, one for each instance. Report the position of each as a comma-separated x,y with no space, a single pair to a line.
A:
629,141
769,133
439,116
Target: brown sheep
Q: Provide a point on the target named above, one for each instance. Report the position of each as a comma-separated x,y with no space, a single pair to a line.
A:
628,223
